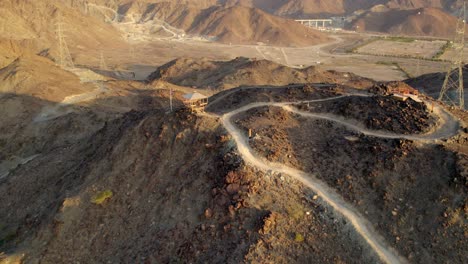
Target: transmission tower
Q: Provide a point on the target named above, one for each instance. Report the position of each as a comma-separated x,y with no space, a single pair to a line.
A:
452,89
102,63
65,57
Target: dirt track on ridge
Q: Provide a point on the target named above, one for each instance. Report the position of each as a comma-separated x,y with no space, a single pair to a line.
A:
448,127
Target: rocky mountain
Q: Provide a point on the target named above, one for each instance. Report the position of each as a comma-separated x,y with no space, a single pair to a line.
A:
220,75
224,23
33,26
306,8
249,25
228,21
420,22
447,5
39,77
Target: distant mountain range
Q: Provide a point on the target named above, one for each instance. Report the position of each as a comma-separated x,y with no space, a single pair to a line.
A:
308,8
32,25
417,22
409,17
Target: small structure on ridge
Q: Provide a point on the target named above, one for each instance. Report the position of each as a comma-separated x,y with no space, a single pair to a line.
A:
196,102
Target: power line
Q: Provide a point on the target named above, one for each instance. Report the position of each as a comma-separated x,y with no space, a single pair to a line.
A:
452,90
64,53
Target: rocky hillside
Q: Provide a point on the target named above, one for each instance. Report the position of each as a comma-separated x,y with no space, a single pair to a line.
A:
32,25
419,22
305,8
431,83
227,24
178,185
249,25
447,5
288,8
232,21
39,77
203,73
143,171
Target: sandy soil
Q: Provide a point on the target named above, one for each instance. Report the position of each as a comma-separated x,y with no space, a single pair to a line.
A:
417,48
147,56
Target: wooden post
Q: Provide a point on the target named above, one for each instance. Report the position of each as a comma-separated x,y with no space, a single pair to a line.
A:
250,133
170,100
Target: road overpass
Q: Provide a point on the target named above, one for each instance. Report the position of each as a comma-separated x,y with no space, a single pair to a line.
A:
316,23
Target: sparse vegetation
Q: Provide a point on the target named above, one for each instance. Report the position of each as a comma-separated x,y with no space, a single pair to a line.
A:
299,238
399,39
454,217
6,235
295,211
407,74
7,238
102,197
442,50
397,65
407,48
362,44
389,63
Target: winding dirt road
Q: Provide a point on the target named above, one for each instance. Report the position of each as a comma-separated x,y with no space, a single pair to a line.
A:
447,127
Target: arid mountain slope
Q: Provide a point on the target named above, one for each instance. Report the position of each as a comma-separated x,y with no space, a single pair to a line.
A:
10,49
431,84
447,5
180,189
250,25
204,73
423,22
33,25
29,85
214,18
306,8
39,77
44,106
289,8
301,8
235,24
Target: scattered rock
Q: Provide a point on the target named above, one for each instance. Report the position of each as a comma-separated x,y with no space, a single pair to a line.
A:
268,223
208,213
233,188
232,177
232,211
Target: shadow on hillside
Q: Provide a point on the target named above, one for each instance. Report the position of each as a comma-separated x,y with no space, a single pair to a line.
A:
155,163
22,131
382,177
135,73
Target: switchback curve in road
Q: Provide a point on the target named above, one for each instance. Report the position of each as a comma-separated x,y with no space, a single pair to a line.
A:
447,125
363,227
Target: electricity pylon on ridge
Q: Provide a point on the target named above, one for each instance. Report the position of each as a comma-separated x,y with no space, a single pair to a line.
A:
64,53
452,90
